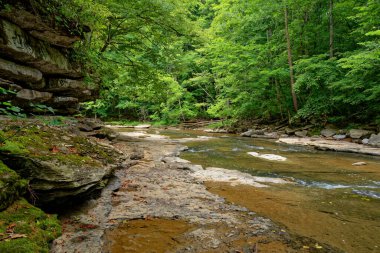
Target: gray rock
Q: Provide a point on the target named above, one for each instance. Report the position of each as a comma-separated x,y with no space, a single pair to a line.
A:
374,140
301,133
65,100
359,133
38,28
53,180
20,46
85,128
265,136
56,85
339,136
16,72
247,134
307,127
273,135
365,141
359,164
328,132
145,126
33,96
289,131
137,154
258,132
174,159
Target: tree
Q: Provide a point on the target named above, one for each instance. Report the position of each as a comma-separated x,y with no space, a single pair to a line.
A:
290,61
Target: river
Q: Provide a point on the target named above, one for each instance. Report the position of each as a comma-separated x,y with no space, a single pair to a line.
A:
329,199
314,201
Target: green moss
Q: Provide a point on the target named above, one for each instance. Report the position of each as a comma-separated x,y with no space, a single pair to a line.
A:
38,141
39,227
11,186
73,159
13,147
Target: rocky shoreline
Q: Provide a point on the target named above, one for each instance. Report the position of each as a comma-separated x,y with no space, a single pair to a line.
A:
156,186
143,181
354,140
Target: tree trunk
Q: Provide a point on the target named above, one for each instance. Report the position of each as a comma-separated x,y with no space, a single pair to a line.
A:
278,97
108,40
331,16
294,96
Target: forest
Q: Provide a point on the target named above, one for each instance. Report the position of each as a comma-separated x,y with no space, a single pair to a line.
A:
189,126
298,61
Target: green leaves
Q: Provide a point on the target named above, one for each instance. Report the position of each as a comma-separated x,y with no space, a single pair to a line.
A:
177,60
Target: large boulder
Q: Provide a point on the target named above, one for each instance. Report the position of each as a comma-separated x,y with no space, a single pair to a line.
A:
60,166
55,179
247,133
20,46
359,133
290,131
301,133
374,140
328,132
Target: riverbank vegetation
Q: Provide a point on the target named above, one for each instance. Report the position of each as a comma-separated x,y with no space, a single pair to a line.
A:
171,60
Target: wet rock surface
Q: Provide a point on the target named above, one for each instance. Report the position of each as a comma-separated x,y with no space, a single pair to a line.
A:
323,144
150,191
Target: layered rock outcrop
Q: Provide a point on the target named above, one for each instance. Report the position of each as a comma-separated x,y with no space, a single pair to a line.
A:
35,63
60,163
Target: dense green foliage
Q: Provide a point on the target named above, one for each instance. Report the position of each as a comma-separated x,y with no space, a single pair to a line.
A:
175,60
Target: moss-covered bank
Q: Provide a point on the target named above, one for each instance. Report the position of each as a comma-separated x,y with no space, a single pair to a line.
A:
12,186
38,228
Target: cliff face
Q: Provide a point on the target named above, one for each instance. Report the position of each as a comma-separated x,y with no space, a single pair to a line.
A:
34,63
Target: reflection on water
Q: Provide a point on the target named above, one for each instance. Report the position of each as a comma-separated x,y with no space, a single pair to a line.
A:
332,200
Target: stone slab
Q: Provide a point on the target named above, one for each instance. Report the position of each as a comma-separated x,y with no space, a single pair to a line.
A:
341,146
32,95
13,71
20,46
38,29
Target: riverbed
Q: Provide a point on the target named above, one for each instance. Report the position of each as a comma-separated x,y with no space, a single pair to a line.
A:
331,200
303,201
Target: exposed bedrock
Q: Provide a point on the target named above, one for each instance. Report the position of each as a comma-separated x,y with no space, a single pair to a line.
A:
38,29
20,46
35,64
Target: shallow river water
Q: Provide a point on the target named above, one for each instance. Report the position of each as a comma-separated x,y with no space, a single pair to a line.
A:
325,199
328,199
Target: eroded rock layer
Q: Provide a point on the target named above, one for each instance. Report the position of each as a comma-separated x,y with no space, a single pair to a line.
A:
35,64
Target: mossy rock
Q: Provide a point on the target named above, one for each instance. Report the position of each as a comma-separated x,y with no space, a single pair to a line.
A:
39,141
59,165
11,186
38,227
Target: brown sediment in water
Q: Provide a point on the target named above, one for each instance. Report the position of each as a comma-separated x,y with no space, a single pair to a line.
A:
140,236
162,235
304,215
